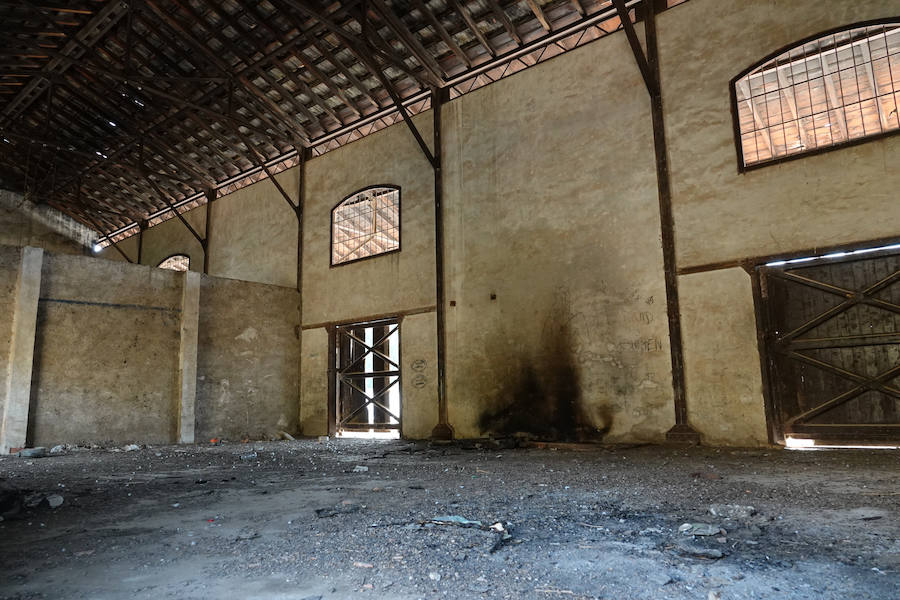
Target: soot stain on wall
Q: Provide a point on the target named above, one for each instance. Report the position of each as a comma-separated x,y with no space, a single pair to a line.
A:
542,396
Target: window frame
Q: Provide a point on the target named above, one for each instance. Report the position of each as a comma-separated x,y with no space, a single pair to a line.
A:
389,186
735,114
188,256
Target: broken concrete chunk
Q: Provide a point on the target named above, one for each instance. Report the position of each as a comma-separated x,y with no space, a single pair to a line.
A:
59,449
360,469
54,500
700,552
131,447
732,511
455,520
700,529
39,452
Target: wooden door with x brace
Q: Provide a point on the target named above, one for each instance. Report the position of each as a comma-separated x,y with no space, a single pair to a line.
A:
366,369
831,331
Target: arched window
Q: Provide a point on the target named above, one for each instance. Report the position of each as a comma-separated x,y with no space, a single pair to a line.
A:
176,262
828,91
366,224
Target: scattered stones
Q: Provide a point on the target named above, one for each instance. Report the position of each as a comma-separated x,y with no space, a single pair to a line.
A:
249,456
58,449
700,529
434,576
363,565
732,511
39,498
344,508
700,552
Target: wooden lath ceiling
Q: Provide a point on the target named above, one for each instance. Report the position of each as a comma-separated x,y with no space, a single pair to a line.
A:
113,111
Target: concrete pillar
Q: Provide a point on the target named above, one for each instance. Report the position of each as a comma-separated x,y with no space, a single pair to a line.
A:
14,427
187,357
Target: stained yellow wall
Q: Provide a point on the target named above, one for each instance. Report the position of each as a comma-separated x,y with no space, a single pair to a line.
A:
551,206
848,195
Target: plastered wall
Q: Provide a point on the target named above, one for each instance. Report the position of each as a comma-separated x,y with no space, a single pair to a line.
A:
108,352
392,284
724,384
844,196
555,263
247,382
18,229
556,304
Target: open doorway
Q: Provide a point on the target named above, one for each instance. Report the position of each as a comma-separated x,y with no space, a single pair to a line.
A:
366,399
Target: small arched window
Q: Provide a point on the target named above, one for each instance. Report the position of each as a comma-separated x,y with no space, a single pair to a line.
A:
366,224
176,262
828,91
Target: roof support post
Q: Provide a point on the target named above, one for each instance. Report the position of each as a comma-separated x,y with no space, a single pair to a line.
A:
142,227
648,63
303,155
443,430
210,198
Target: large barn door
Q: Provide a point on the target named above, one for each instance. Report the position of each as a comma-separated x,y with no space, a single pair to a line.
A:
832,347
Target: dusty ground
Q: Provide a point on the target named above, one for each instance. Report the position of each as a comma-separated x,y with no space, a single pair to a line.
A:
298,522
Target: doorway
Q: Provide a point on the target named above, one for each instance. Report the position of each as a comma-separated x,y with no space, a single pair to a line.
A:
831,331
366,398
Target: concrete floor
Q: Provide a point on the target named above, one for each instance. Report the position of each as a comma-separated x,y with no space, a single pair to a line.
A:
299,520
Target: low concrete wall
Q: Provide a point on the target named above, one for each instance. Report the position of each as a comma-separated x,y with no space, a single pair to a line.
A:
113,342
105,353
248,359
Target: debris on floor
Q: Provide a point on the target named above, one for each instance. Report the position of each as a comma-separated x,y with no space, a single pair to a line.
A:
455,520
700,529
731,511
39,452
528,523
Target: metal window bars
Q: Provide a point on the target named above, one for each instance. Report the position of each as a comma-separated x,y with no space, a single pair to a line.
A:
365,224
833,90
179,262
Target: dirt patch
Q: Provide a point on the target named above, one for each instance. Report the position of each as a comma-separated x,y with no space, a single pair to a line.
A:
300,522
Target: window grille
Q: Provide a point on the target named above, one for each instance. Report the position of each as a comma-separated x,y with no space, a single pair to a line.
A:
833,90
179,262
365,224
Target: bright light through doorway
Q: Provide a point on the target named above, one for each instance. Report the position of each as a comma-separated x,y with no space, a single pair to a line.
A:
796,443
393,395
